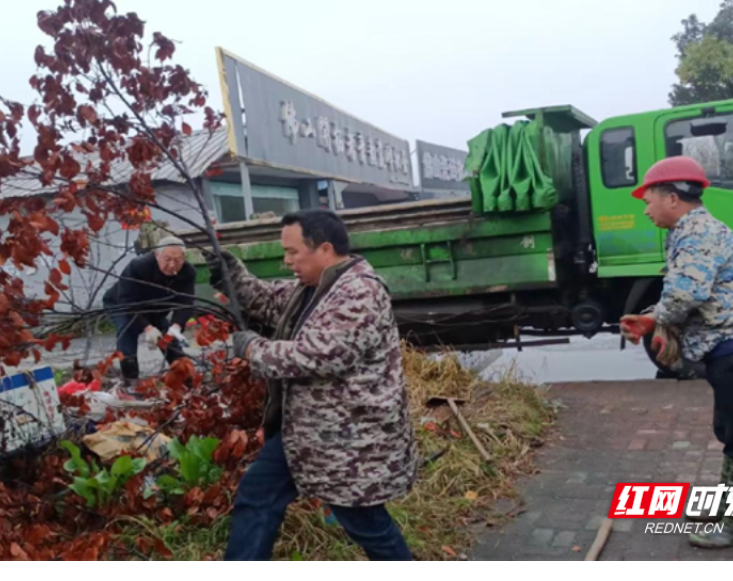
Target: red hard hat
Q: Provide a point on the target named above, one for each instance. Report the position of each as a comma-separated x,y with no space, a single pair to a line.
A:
672,169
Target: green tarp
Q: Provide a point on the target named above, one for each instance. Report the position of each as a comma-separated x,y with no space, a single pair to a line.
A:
505,170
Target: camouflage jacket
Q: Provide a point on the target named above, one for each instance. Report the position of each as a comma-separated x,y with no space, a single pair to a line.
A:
345,419
698,286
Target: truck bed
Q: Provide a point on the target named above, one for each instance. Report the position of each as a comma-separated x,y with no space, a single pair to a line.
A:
392,216
429,249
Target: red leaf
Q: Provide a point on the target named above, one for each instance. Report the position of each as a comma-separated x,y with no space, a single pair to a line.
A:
70,168
91,554
50,342
165,341
44,223
53,295
4,304
34,112
17,552
87,113
55,277
52,226
164,551
64,267
186,129
450,551
142,544
75,244
40,56
238,440
96,222
37,534
66,201
166,48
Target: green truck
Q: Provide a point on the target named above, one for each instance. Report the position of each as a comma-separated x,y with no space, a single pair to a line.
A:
550,241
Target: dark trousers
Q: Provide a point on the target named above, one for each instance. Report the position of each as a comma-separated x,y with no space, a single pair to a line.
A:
129,328
720,375
266,490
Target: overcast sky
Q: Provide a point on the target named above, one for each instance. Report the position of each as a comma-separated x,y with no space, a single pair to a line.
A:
436,71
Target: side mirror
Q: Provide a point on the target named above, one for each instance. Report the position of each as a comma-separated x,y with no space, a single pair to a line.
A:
709,127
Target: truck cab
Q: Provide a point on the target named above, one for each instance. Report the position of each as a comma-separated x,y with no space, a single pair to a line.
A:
619,152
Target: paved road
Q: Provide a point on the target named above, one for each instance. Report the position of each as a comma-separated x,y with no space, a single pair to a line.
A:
582,360
101,346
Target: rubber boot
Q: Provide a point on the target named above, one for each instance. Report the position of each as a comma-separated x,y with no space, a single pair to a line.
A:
717,539
130,370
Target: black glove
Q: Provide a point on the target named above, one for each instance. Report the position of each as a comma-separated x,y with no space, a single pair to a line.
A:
214,264
241,340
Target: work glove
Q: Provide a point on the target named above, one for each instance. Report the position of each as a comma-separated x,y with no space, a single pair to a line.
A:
634,327
666,344
175,332
234,266
241,340
152,336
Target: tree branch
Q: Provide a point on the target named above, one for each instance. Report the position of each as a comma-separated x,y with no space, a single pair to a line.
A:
210,229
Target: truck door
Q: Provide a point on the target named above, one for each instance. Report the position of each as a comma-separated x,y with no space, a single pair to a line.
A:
627,243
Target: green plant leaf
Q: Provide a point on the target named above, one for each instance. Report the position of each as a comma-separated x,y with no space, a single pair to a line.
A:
170,485
70,466
77,463
138,465
195,464
122,466
207,447
84,488
176,449
102,478
214,475
190,468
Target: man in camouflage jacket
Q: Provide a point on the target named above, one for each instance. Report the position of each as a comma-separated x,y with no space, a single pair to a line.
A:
697,297
336,420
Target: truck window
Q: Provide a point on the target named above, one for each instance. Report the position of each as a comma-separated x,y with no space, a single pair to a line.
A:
618,157
713,152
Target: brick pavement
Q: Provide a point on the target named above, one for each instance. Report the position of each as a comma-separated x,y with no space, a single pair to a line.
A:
655,431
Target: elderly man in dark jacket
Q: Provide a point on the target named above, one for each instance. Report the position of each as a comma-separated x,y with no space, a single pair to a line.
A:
149,289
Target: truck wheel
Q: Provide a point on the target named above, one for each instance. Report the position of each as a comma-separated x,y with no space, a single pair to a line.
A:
682,370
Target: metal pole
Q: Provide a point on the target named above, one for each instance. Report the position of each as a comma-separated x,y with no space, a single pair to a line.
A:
246,190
